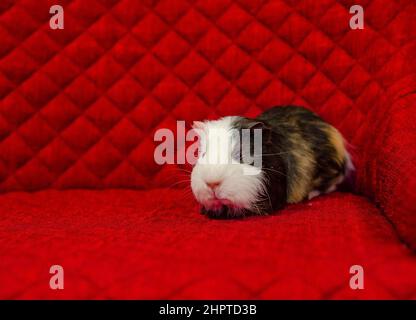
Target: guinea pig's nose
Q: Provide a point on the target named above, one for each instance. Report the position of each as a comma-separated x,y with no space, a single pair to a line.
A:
214,184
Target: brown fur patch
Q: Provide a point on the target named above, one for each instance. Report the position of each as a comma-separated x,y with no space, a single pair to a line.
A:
337,141
301,182
300,174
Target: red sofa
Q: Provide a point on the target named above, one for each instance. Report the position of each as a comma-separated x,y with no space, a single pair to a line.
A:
80,188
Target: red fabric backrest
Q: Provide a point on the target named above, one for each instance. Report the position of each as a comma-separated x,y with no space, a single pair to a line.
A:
79,106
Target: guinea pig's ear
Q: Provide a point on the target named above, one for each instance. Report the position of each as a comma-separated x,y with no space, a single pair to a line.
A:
257,125
266,130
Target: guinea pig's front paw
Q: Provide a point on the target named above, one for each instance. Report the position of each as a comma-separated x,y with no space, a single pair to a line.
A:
217,213
221,213
224,212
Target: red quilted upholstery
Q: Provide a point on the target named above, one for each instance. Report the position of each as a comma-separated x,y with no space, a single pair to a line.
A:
79,106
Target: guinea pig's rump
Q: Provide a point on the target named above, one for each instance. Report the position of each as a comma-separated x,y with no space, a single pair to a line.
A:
316,157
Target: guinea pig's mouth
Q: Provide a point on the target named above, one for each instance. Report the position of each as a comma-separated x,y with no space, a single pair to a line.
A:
219,202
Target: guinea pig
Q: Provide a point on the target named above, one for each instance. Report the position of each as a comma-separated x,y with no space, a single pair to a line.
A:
301,157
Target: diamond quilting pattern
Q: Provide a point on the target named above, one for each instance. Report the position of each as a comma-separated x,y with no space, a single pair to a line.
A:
79,106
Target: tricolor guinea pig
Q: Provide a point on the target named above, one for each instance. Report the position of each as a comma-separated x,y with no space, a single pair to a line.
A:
299,156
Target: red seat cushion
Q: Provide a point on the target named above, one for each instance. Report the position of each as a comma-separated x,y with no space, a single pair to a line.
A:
155,244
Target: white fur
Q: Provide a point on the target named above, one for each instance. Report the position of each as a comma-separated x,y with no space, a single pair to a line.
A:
236,188
350,164
313,194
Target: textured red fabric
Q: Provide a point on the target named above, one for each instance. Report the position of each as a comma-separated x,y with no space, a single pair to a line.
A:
154,244
79,107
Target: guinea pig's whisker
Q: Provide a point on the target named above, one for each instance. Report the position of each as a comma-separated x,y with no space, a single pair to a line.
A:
179,182
187,197
238,212
268,197
257,209
274,154
183,173
273,170
184,170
